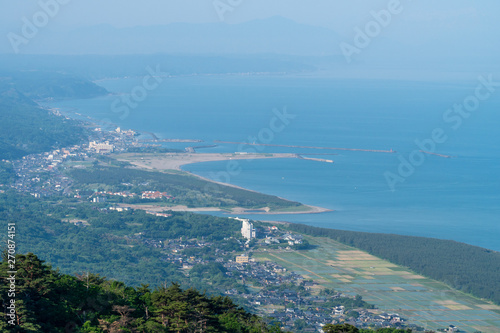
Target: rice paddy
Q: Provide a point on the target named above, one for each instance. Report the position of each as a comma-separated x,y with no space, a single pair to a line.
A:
424,302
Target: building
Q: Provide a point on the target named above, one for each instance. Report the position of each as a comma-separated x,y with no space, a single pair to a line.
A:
158,214
247,229
155,195
119,209
271,240
339,310
243,259
101,148
127,132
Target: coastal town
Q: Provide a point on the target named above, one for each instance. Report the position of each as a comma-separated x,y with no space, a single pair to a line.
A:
271,290
42,175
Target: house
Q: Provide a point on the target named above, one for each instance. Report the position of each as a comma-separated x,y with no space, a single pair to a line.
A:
155,195
339,310
270,240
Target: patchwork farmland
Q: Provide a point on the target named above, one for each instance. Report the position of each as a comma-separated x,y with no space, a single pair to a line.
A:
391,288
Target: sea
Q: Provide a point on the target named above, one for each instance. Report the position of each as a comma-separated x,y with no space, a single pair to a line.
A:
453,193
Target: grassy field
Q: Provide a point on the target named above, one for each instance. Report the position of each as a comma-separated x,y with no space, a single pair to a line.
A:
391,288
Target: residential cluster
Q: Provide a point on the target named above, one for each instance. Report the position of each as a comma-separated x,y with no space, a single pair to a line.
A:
286,296
42,175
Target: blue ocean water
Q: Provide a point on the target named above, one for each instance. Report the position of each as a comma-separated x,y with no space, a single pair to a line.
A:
450,198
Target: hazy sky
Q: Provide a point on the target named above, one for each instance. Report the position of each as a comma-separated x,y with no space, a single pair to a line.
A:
467,26
339,15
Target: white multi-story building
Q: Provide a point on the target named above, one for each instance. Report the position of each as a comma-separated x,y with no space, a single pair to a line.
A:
101,147
247,229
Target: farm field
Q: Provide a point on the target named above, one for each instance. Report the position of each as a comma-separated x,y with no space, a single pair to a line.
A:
391,288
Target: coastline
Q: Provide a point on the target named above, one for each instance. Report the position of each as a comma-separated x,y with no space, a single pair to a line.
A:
174,161
235,210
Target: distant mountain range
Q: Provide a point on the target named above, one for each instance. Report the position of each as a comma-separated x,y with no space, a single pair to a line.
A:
394,47
274,35
104,66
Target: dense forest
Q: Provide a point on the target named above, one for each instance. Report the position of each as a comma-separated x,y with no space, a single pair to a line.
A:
7,174
48,301
187,189
464,267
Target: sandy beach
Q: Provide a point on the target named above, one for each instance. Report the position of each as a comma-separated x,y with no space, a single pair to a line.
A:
235,210
174,161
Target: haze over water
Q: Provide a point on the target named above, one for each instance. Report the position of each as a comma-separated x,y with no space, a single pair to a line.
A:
449,198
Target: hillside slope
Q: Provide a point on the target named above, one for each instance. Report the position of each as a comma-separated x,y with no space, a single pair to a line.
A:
26,128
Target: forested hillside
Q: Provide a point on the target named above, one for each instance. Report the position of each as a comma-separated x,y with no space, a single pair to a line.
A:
115,244
7,173
51,302
464,267
25,128
187,189
48,301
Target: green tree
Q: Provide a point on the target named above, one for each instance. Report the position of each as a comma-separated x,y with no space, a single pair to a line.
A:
48,301
340,328
299,325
